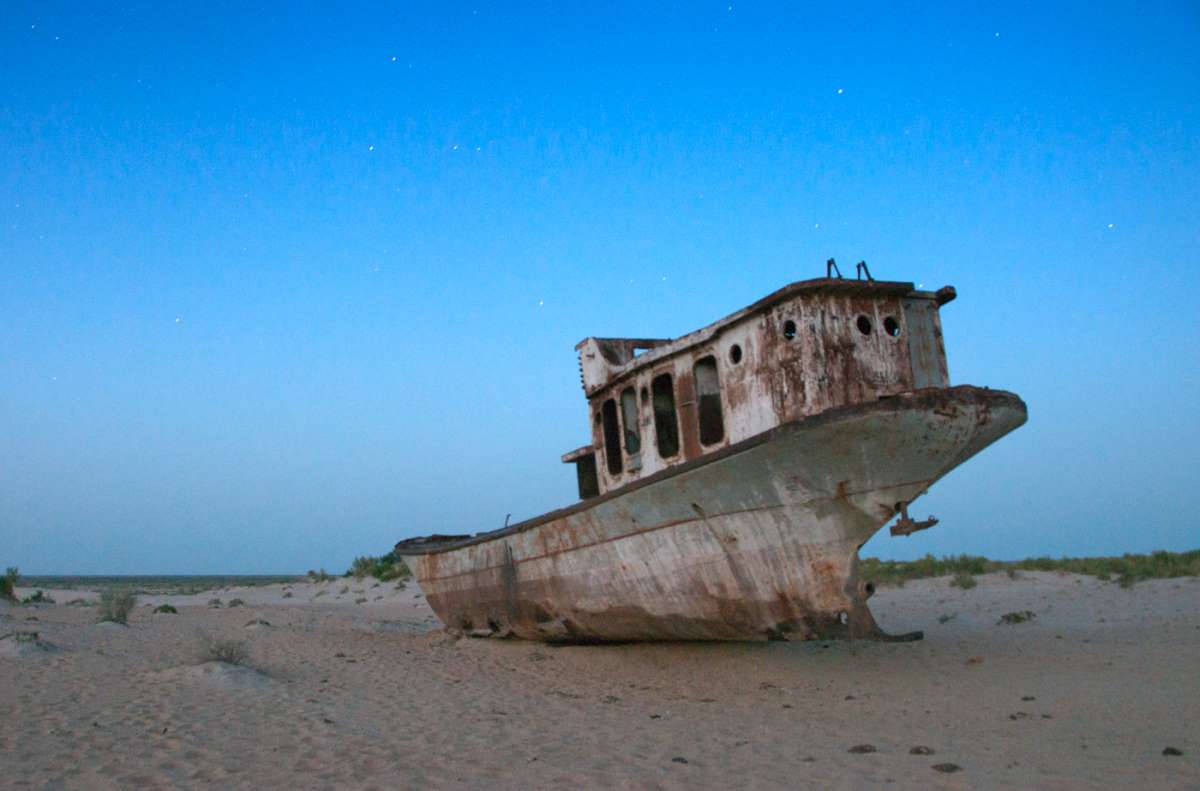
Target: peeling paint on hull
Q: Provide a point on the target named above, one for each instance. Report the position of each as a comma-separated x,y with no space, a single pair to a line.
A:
757,542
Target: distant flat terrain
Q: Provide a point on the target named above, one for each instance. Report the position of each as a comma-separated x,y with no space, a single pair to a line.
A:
179,583
353,684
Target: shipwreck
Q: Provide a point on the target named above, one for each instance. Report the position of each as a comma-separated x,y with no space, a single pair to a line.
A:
732,476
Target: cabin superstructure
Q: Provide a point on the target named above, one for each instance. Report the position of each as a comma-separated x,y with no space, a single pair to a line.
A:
809,347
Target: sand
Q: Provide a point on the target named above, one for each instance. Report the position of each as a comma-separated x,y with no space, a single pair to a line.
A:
338,694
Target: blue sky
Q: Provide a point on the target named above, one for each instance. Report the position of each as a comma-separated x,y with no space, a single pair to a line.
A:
282,285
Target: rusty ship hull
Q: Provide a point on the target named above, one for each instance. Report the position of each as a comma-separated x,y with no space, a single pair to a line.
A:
757,541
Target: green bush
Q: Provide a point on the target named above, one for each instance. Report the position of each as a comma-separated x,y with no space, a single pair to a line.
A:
384,568
166,609
964,580
8,583
38,598
115,606
319,576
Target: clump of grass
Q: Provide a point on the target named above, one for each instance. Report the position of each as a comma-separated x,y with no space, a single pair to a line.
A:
38,598
1017,617
319,576
115,606
384,568
897,572
215,603
235,603
1126,570
166,609
214,649
8,583
80,603
287,594
964,580
345,589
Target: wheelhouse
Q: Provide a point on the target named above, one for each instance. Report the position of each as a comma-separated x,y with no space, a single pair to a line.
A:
809,347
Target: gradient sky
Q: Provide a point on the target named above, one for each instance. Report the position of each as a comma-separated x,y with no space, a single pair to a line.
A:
281,285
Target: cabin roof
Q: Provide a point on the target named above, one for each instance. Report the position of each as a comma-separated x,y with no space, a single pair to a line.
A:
620,351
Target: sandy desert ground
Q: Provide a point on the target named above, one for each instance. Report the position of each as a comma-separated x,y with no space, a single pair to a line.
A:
342,694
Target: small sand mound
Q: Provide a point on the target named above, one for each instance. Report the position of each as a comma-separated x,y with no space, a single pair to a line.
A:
21,644
111,626
221,674
403,627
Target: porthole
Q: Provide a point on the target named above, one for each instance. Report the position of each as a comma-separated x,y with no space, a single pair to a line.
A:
864,325
891,326
789,329
735,354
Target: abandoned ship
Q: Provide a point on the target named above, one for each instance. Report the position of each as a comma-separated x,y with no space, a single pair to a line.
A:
732,476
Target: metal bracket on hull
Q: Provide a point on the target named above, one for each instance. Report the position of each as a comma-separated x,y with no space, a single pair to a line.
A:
906,527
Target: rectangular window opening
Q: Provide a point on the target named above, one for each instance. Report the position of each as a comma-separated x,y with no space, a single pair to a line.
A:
666,427
708,394
629,421
612,436
585,474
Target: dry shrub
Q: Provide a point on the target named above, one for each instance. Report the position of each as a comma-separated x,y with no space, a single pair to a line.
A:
115,606
216,649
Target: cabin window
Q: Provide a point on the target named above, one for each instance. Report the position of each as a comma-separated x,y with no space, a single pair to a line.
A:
891,327
708,394
789,329
612,436
629,421
735,354
864,325
666,427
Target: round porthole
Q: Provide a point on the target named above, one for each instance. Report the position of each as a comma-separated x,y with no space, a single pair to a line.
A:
789,329
891,326
864,325
735,354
